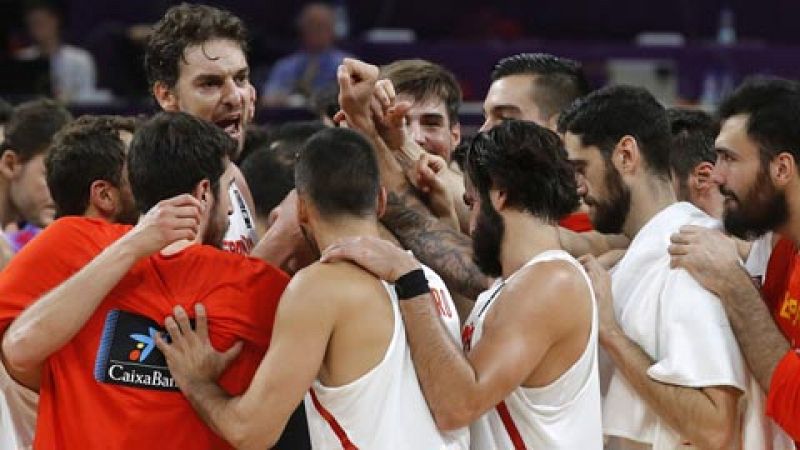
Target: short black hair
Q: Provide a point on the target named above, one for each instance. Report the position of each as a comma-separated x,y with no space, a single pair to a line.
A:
423,80
32,126
325,101
171,153
773,109
183,26
603,117
528,162
338,171
558,81
5,111
86,150
269,171
693,134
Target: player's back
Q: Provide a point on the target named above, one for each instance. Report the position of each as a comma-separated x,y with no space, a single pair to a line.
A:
367,394
109,388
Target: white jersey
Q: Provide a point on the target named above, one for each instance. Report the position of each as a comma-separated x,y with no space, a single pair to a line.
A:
566,414
17,413
384,409
241,235
684,329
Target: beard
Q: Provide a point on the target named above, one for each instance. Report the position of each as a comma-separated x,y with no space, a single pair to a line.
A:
217,227
487,238
764,209
610,214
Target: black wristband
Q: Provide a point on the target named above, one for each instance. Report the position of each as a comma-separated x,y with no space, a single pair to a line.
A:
411,285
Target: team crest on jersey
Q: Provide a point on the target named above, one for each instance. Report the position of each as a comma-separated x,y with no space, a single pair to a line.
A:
128,354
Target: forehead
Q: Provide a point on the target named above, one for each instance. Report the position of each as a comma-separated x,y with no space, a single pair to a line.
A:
513,90
574,146
429,105
213,57
733,136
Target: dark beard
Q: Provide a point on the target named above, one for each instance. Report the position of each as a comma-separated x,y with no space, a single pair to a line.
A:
610,214
764,209
487,238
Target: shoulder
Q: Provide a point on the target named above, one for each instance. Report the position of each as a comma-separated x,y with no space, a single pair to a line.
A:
76,54
333,284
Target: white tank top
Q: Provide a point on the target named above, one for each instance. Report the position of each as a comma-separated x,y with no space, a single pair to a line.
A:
384,409
17,413
563,415
241,236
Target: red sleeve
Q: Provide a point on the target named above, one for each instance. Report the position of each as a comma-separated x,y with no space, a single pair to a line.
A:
53,256
783,399
578,222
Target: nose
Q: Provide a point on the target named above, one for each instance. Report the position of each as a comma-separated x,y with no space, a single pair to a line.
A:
718,174
233,95
416,132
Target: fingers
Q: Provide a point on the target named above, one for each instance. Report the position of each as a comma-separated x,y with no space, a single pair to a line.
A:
377,110
681,238
163,346
173,330
678,250
183,320
343,77
359,70
339,117
384,93
201,321
232,353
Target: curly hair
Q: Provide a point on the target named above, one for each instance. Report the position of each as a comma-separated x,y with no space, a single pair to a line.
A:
183,26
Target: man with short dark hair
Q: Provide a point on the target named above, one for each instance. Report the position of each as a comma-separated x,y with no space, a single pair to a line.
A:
92,337
657,325
339,339
534,87
86,171
757,171
531,340
195,63
23,189
434,97
87,177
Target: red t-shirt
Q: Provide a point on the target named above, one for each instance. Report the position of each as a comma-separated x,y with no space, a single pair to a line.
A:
577,222
109,388
782,293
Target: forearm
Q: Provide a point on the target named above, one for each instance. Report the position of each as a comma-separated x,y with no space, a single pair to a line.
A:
221,413
448,252
55,318
454,398
759,338
690,411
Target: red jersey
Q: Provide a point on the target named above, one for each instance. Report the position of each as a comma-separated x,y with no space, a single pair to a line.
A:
781,291
109,387
577,222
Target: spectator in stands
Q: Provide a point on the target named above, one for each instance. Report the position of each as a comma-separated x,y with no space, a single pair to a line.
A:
313,67
72,69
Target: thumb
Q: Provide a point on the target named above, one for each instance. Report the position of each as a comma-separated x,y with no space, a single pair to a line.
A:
232,353
396,114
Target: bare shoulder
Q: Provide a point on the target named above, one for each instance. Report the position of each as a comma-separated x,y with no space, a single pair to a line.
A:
552,290
334,282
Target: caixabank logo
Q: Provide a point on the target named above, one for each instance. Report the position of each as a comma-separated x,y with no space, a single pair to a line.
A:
128,354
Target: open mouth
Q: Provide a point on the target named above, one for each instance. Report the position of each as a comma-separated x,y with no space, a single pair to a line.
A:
231,125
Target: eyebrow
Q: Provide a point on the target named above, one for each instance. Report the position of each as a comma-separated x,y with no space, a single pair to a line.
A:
724,150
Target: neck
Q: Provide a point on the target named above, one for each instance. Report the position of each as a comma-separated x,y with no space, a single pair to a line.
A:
791,228
50,46
8,213
525,236
648,198
327,232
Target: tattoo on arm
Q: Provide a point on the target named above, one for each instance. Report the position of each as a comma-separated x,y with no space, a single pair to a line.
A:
445,250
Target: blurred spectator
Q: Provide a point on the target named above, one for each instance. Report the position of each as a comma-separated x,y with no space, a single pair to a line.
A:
5,113
295,78
72,69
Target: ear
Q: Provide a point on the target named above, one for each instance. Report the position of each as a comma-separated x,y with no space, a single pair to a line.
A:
455,134
202,192
498,198
165,96
104,198
303,213
381,207
782,169
626,155
701,176
9,164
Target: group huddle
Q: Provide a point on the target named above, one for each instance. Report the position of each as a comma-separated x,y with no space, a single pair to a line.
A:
580,274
